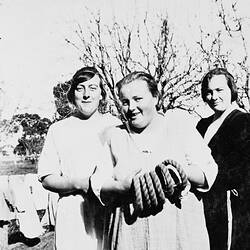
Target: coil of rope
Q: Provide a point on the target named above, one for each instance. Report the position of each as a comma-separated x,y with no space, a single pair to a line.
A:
151,189
164,171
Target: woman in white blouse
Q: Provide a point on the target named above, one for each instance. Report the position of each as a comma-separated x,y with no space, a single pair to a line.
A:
149,139
72,153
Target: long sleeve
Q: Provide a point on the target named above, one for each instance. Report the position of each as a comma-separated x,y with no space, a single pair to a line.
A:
197,153
233,155
49,161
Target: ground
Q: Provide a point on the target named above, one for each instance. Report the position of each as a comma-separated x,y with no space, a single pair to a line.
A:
46,243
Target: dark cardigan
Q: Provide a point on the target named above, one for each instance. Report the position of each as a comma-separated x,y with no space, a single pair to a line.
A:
230,147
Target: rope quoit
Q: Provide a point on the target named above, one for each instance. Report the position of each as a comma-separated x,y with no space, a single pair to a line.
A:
138,203
145,196
159,192
166,179
183,176
172,171
131,217
157,186
151,189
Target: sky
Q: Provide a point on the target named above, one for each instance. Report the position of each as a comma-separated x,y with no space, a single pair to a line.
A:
34,56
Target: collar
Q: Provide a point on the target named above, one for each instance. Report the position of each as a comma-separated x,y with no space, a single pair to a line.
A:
232,107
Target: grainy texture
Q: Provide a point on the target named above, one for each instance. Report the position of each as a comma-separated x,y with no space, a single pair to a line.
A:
230,147
47,239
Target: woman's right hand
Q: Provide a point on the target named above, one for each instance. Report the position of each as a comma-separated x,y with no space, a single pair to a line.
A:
64,185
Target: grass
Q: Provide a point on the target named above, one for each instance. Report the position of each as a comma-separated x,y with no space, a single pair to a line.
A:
20,167
47,239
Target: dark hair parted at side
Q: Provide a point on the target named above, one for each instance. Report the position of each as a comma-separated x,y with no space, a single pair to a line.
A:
139,75
219,71
82,75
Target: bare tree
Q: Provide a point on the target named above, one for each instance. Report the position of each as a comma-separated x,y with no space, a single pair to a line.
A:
117,50
216,52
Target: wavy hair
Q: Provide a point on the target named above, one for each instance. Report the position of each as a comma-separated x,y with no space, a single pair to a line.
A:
219,71
82,75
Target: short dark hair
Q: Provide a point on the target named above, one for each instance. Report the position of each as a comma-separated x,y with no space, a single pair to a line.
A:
219,71
82,75
139,75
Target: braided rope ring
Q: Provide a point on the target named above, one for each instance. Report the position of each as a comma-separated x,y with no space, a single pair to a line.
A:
145,193
183,176
138,203
166,179
145,197
151,189
129,217
157,185
152,193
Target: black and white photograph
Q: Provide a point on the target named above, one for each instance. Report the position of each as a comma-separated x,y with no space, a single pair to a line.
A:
124,125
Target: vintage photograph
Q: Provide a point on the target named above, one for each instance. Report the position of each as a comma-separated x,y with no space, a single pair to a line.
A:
124,125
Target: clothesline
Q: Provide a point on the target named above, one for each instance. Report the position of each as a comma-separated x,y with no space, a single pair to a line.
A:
20,198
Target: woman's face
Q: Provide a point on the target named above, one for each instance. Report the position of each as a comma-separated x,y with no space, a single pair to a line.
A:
218,95
138,104
88,96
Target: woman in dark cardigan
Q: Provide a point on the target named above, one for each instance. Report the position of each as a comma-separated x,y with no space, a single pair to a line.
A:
227,133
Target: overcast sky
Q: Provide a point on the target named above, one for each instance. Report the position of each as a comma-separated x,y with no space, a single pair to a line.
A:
34,55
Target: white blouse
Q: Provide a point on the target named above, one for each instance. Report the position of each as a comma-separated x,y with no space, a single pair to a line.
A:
73,148
172,228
